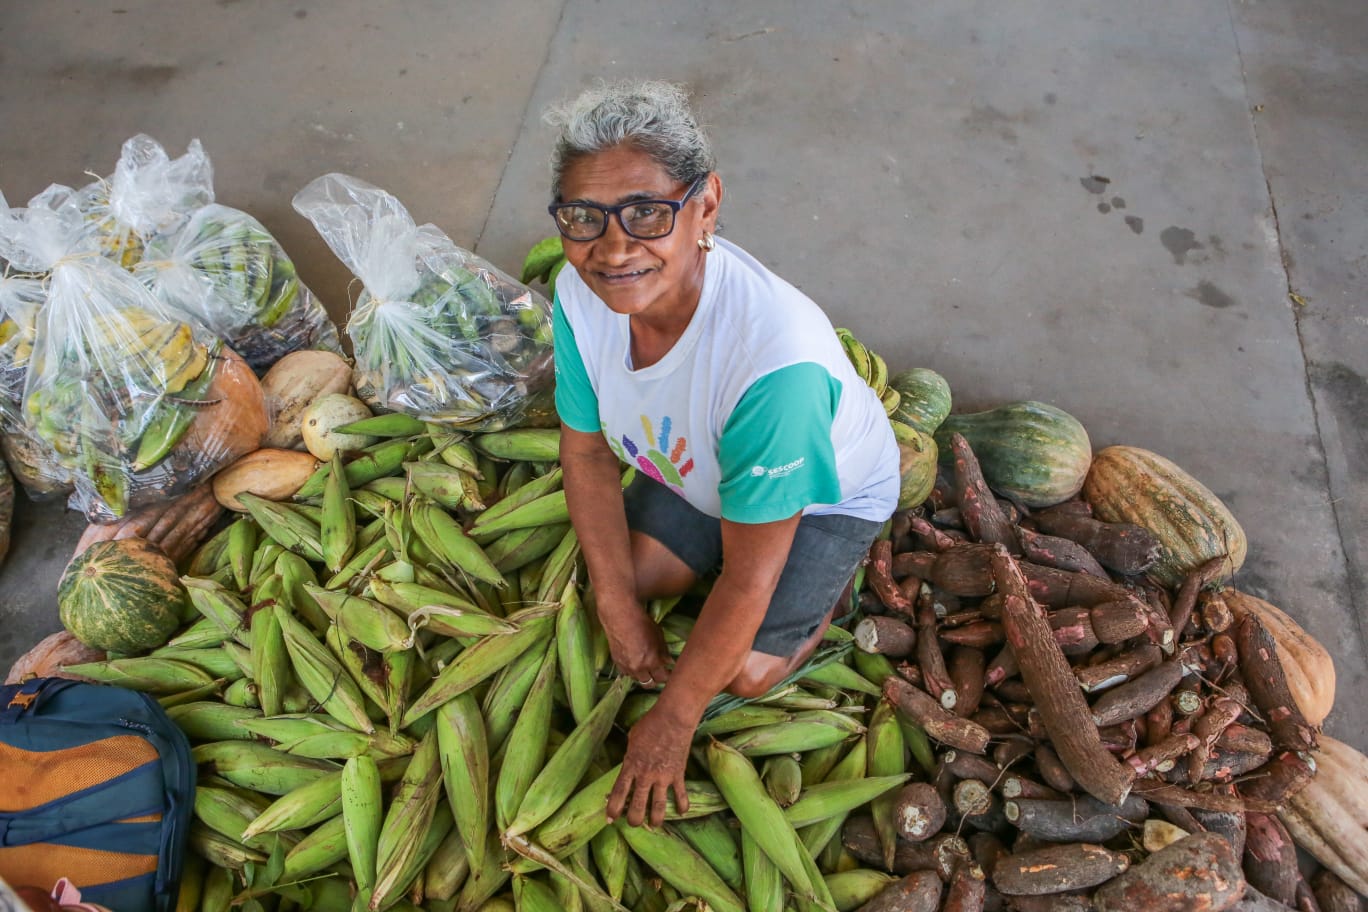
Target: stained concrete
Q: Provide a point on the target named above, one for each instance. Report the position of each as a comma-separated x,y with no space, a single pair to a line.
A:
1071,201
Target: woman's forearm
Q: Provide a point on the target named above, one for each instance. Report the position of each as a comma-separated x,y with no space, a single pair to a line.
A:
593,493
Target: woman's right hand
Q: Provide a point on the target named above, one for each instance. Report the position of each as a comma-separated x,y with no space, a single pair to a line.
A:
637,645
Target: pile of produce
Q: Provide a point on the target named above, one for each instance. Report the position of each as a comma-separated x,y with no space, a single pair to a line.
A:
1046,696
437,332
124,309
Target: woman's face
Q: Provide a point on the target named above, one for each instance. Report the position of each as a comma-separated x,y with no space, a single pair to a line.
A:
634,276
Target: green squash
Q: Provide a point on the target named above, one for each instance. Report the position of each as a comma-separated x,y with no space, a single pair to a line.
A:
924,398
1030,452
916,464
122,596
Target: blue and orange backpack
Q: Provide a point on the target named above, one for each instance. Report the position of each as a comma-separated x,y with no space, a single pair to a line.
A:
97,786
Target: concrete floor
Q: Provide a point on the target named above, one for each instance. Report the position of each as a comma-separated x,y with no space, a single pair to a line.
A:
1103,205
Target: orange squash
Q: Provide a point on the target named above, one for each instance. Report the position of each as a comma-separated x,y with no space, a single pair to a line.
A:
1193,526
1309,669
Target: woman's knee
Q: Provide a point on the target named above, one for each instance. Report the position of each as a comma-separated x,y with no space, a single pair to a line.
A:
658,571
758,676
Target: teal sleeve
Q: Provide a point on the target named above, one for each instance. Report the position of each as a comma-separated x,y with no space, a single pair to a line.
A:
776,454
575,399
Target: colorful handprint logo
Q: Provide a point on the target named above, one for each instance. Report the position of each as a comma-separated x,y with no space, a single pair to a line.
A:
660,459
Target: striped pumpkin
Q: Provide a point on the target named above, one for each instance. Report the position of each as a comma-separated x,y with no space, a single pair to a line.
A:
1130,484
1032,452
122,596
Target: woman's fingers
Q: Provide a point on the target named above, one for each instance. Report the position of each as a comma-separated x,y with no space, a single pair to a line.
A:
681,793
641,797
644,800
617,798
659,793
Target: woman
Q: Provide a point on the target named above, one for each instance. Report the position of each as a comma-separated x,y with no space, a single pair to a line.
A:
758,447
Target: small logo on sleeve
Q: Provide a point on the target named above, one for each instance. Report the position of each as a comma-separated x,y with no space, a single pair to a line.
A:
787,468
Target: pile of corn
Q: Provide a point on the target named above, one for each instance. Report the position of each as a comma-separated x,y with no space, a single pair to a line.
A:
399,697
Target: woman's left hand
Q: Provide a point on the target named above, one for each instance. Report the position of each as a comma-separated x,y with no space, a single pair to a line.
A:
657,752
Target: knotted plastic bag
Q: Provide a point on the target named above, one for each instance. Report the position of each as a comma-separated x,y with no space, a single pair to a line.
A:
149,192
437,332
138,401
226,270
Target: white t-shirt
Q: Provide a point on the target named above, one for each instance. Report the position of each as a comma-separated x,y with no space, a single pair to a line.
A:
754,415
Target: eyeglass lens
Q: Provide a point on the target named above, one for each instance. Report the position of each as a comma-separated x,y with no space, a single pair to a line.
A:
642,220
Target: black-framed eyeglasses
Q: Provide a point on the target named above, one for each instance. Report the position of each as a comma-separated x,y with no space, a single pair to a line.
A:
643,219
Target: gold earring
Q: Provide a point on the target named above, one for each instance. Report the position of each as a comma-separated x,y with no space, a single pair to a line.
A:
706,242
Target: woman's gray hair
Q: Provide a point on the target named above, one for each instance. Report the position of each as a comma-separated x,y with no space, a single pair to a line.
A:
653,116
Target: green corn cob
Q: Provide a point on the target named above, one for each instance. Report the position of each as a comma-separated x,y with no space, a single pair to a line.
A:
507,693
688,871
322,676
520,444
557,780
394,424
514,550
446,869
438,482
443,535
337,531
543,511
714,840
783,779
477,664
408,820
288,525
209,721
744,717
270,662
887,757
573,647
362,813
201,634
242,543
764,884
213,661
220,606
259,767
519,494
463,747
220,851
149,675
323,847
526,751
612,857
807,730
759,815
560,567
839,797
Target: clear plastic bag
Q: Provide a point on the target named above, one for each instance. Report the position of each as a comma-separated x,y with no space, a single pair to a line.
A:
225,269
138,401
31,460
149,192
437,332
